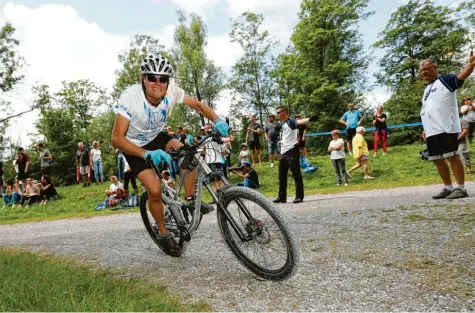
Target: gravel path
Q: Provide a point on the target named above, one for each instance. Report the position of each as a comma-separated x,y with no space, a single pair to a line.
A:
381,250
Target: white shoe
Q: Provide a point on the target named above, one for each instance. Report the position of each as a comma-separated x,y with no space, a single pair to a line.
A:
346,184
272,164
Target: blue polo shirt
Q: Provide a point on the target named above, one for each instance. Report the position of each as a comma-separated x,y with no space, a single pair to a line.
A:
352,118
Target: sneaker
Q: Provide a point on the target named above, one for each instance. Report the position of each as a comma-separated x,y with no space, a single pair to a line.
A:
169,246
206,208
443,194
457,194
279,200
297,200
368,177
346,184
272,164
338,184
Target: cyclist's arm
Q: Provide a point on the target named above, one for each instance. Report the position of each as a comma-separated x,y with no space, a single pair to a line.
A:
202,108
120,142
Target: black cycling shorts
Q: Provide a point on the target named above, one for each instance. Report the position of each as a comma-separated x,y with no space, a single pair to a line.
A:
137,164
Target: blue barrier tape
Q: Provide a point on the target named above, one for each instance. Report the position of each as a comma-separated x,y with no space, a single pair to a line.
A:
367,128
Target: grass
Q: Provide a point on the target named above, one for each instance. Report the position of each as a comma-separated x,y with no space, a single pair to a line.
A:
46,284
400,167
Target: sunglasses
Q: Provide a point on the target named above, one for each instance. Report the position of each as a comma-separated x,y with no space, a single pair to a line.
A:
154,78
467,99
278,112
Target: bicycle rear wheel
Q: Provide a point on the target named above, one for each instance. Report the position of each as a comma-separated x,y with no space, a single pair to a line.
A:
257,234
151,226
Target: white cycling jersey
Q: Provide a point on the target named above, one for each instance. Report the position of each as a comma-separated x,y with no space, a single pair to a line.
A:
146,121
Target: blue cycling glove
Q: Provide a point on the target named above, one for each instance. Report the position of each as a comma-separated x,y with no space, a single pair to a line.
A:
158,156
221,127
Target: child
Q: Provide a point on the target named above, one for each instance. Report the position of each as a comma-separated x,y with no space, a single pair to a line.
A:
360,152
10,197
337,156
47,189
243,155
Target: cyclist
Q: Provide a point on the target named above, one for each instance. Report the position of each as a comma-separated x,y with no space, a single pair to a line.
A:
139,132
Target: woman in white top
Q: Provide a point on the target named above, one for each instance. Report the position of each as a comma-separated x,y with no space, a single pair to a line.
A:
337,155
96,160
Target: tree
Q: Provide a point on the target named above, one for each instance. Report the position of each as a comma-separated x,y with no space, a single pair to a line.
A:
129,74
81,99
10,61
417,31
197,75
325,67
250,75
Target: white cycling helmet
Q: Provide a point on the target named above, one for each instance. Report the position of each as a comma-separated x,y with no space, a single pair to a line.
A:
156,64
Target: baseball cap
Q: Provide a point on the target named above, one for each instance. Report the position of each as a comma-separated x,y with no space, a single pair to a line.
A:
360,129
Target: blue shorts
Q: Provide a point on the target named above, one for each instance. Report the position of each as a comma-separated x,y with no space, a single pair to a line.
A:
273,147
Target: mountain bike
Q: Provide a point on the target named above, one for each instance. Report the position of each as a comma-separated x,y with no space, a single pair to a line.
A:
253,227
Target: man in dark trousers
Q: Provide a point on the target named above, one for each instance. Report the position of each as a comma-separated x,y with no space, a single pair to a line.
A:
290,154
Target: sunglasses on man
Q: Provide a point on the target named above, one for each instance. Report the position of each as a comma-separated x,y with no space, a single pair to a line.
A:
154,78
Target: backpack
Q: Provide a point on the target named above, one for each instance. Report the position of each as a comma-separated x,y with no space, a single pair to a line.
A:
133,200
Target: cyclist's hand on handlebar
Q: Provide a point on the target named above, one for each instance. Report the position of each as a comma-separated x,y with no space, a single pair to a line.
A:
158,156
221,127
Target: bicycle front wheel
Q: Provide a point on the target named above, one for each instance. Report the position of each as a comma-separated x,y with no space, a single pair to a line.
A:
151,226
257,234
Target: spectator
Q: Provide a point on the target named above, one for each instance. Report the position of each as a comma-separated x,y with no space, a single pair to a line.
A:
351,119
253,137
120,164
202,132
243,155
337,155
249,176
440,119
83,161
32,193
463,147
301,138
360,153
23,163
181,136
189,138
10,197
468,112
271,133
45,159
116,188
129,177
96,161
47,189
2,177
212,153
381,131
290,155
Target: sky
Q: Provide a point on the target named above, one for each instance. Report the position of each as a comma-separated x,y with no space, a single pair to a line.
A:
79,39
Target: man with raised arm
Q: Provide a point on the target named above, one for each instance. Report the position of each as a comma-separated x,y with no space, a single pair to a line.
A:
440,119
139,131
290,154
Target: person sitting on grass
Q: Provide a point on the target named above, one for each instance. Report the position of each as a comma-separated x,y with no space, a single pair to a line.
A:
360,153
32,193
116,188
249,176
10,197
47,189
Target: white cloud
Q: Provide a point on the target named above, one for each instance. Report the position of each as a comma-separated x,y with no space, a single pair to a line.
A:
377,96
224,52
58,45
200,7
237,7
